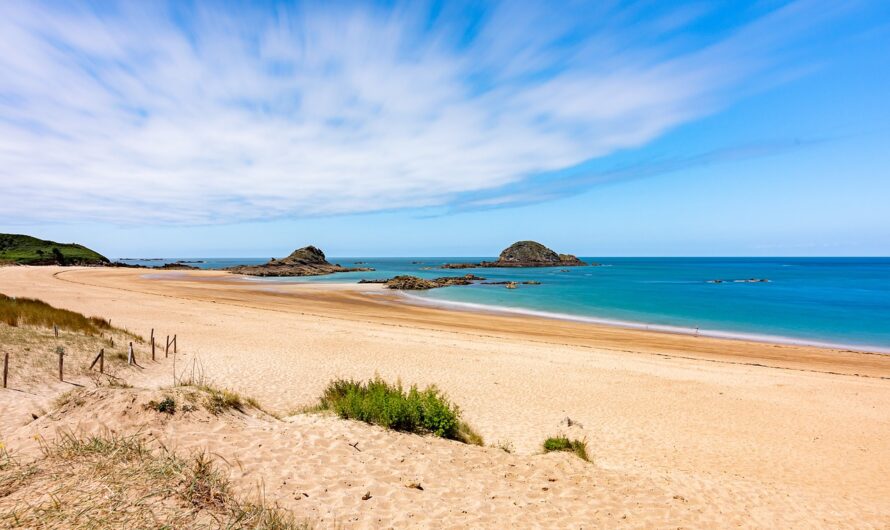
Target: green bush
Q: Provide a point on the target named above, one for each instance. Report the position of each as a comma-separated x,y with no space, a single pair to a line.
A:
378,402
166,405
562,443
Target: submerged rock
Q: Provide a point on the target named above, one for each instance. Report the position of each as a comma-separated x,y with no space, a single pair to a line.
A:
524,254
749,280
307,261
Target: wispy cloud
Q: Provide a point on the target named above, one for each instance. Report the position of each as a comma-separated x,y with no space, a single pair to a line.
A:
581,178
146,112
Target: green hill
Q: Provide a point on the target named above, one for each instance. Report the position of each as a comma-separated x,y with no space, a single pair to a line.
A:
27,250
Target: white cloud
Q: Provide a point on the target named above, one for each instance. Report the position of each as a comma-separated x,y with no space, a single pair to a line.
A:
139,114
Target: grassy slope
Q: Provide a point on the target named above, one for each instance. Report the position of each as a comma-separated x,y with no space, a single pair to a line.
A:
26,250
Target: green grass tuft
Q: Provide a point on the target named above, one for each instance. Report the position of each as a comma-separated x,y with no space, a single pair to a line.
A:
380,403
562,443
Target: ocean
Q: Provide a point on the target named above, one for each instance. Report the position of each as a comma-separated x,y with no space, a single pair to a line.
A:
828,301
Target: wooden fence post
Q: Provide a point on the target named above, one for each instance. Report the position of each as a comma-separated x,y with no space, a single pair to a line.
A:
131,359
56,330
61,364
174,343
167,347
101,360
152,344
5,368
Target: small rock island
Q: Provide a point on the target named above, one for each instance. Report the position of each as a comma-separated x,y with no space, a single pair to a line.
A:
307,261
524,254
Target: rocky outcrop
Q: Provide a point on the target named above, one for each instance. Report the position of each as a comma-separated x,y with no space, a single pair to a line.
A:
413,283
410,283
307,261
175,266
524,254
178,266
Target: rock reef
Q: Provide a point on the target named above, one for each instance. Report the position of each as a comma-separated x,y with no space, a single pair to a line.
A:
307,261
524,254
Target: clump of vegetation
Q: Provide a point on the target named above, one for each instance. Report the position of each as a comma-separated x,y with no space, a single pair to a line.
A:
506,446
418,411
30,311
141,488
165,406
216,400
221,400
73,397
562,443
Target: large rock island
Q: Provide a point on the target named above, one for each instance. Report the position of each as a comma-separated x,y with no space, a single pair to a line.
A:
307,261
524,254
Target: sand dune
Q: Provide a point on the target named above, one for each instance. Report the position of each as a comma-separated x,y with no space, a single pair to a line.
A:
684,432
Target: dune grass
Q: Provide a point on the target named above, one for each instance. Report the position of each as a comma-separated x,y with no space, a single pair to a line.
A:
30,311
426,411
219,400
115,481
562,443
216,400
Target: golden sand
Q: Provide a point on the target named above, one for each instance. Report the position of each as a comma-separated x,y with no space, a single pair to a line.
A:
683,431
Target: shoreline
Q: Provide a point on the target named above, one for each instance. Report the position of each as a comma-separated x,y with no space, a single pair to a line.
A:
410,298
370,303
472,307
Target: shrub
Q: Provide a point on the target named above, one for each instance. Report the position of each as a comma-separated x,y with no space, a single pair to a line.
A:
166,405
562,443
380,403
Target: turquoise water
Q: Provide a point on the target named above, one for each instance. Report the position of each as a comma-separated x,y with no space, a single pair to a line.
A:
842,301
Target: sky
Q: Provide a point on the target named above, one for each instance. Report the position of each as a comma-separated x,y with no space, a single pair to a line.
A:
202,129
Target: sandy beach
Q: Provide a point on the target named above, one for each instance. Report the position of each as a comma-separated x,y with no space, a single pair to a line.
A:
684,431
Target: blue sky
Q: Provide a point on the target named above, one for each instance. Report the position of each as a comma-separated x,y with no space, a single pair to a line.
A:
603,128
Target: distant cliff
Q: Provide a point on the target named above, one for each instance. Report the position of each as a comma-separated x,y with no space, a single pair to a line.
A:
26,250
524,254
307,261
